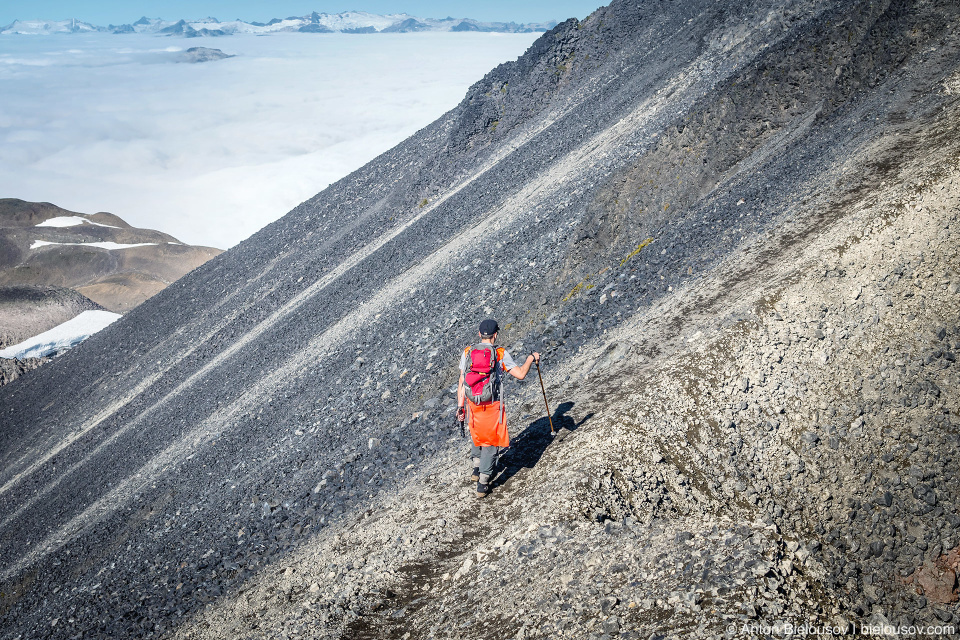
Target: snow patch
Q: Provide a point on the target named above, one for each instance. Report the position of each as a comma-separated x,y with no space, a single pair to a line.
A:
62,337
71,221
100,245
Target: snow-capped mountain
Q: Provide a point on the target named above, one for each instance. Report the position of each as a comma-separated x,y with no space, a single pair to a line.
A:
49,27
344,22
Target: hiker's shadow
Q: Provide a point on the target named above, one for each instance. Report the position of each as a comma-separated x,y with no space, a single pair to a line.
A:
528,447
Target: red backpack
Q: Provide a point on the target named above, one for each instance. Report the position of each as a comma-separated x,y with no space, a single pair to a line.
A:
480,379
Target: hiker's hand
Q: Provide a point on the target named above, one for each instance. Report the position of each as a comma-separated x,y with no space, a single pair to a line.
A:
536,357
461,414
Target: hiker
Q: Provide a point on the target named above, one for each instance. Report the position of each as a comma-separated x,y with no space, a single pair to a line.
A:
480,399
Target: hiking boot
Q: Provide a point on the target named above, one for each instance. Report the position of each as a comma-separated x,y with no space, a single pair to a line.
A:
476,474
482,490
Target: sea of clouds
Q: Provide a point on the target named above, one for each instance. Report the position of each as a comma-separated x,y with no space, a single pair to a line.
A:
212,152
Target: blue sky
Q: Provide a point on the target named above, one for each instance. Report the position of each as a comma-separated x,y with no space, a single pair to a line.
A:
126,11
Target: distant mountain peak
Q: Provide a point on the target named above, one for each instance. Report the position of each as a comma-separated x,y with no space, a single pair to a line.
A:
315,22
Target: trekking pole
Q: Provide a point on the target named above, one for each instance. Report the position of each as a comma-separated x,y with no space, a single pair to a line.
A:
544,389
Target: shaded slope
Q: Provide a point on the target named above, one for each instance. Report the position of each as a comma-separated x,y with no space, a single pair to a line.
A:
279,418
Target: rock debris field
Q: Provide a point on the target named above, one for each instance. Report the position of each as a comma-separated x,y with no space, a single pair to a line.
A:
731,230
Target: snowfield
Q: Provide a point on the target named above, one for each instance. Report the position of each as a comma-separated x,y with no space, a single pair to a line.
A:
62,337
100,245
71,221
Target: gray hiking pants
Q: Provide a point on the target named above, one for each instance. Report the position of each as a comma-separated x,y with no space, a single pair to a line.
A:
484,458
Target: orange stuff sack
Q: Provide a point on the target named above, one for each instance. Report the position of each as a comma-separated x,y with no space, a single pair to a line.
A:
486,427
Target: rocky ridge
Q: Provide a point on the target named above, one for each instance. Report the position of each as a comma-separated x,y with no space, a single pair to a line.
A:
13,368
700,217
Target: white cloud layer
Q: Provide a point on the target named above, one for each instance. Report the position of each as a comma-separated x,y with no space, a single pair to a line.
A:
212,152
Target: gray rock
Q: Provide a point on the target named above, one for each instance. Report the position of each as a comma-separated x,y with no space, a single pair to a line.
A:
943,615
607,604
925,493
611,625
11,368
203,54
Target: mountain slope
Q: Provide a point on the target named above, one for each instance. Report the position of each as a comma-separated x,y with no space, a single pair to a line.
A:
99,255
757,407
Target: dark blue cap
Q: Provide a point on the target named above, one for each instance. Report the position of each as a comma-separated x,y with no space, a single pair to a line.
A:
488,327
